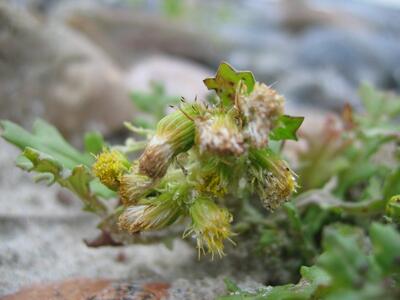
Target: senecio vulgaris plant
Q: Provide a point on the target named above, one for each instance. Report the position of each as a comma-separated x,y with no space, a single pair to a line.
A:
200,163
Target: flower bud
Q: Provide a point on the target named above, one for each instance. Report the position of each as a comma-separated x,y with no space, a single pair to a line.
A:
134,185
393,208
275,181
261,110
109,167
151,214
210,225
174,134
219,134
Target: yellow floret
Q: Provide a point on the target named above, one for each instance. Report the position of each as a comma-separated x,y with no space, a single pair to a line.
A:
109,168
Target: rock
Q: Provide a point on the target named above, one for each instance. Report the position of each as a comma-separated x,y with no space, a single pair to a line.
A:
356,55
325,89
301,14
95,289
128,36
76,289
180,77
49,71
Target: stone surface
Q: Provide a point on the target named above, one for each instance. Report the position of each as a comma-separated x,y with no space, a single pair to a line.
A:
100,289
128,36
180,77
78,289
47,70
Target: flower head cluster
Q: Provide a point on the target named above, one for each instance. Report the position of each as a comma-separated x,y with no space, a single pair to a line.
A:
200,158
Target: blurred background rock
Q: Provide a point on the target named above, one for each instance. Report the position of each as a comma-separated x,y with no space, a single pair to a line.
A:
76,62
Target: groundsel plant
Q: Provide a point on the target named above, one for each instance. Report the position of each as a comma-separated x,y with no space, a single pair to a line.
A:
200,163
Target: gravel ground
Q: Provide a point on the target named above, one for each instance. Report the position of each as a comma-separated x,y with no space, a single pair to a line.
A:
41,233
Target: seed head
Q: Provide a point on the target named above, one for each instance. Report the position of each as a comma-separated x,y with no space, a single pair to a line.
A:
274,180
210,226
261,110
109,167
219,134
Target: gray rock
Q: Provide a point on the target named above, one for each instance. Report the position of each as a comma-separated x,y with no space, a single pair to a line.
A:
180,77
128,36
49,71
356,55
324,88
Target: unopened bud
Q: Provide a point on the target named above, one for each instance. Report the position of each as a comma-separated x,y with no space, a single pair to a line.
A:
152,214
174,134
134,185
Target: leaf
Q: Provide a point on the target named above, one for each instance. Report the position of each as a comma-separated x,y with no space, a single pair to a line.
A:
231,286
154,103
226,81
45,138
392,185
371,99
343,255
77,180
386,244
286,128
380,106
312,278
94,142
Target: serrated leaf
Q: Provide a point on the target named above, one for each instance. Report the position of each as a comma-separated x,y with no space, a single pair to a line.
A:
286,128
46,139
77,180
226,81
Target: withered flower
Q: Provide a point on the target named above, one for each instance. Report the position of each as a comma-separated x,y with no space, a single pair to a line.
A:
219,133
261,110
274,180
